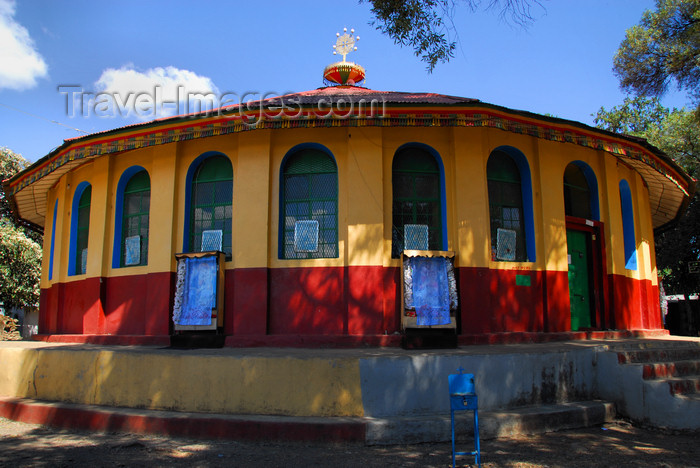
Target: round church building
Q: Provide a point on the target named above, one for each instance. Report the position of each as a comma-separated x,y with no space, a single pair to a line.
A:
345,215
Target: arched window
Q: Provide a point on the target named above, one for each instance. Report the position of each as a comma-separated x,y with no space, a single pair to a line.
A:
80,229
628,226
510,206
211,209
53,238
134,198
581,191
417,211
308,205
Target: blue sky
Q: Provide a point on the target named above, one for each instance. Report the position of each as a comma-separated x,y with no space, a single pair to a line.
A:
560,65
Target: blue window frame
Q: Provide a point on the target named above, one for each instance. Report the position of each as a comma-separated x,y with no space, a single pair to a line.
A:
510,206
308,204
53,238
209,203
418,200
628,225
581,191
132,217
79,230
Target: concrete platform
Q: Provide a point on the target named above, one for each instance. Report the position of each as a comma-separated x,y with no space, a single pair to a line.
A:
375,395
372,431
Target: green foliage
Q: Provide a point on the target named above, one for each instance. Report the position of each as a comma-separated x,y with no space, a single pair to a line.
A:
679,137
10,164
20,267
677,134
664,48
633,117
8,329
20,252
427,25
417,24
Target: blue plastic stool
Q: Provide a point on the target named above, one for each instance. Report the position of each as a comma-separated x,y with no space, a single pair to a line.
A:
463,398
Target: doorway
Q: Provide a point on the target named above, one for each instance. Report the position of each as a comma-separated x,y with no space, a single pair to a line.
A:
580,279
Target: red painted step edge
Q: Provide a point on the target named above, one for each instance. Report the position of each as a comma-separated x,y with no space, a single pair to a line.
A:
180,424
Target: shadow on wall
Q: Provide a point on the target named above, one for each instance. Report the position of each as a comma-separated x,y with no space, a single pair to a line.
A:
417,385
307,300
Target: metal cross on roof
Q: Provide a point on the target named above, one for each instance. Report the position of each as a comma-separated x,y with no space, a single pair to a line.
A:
345,43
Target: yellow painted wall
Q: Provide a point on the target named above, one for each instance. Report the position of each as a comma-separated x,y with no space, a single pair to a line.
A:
252,201
473,230
365,198
162,237
187,381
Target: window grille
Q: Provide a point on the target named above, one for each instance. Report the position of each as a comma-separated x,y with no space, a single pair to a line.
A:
83,261
309,193
416,236
306,236
132,250
211,240
505,244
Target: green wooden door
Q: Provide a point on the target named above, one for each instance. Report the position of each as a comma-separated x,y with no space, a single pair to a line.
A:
579,279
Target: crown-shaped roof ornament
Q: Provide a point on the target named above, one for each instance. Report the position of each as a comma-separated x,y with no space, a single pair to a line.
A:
345,43
344,73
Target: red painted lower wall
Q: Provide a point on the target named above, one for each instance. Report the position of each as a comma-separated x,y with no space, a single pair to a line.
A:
125,305
246,301
635,304
138,305
492,302
338,301
371,297
307,301
74,307
556,306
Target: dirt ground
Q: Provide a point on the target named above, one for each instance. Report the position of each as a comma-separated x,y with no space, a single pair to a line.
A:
617,444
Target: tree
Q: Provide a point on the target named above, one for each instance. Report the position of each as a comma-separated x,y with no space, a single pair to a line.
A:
634,117
20,267
664,48
10,164
20,252
672,131
427,27
677,134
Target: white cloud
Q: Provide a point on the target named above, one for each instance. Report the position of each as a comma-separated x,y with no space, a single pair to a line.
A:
156,92
20,64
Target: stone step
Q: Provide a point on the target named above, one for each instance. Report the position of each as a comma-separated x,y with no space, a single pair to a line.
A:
372,431
687,386
693,397
492,424
662,370
658,355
